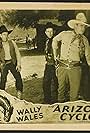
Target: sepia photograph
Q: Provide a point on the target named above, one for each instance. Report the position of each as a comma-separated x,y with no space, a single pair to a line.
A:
44,64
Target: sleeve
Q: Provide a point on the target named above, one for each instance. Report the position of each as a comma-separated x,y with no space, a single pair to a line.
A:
18,56
87,51
2,56
55,43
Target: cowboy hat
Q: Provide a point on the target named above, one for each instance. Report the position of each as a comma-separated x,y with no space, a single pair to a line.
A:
80,19
49,25
4,29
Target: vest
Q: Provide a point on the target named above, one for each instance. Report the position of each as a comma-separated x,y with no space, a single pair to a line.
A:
12,52
49,52
2,56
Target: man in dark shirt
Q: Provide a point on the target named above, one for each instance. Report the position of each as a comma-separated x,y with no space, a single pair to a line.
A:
50,82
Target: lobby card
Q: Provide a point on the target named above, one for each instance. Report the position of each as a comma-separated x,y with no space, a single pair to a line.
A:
43,92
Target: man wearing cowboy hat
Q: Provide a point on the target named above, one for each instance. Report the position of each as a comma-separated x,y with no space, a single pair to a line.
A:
73,47
12,60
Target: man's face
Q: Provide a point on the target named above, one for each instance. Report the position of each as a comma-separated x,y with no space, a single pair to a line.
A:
49,32
4,36
79,28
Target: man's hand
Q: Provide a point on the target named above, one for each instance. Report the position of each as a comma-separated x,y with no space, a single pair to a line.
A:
1,67
56,63
18,68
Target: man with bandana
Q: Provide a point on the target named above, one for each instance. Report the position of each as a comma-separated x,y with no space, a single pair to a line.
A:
50,82
73,47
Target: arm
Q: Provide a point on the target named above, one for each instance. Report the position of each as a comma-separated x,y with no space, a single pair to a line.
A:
55,45
2,56
2,59
87,51
18,56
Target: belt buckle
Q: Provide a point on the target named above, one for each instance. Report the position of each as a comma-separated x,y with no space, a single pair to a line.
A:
70,61
68,66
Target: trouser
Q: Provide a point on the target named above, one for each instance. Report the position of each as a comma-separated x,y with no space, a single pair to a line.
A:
68,78
50,84
10,66
85,83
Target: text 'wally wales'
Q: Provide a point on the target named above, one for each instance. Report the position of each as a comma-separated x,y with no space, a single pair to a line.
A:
29,114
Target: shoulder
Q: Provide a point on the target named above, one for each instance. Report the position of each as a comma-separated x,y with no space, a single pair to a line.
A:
67,33
64,33
85,39
12,42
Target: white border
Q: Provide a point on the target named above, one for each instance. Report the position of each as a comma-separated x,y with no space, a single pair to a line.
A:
56,127
45,6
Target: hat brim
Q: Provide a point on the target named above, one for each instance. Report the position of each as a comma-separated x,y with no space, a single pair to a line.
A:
49,25
10,31
6,31
71,23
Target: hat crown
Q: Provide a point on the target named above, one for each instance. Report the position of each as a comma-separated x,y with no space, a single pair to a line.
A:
49,25
3,29
81,17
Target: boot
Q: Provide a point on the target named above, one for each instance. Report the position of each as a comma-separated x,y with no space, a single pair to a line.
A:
19,94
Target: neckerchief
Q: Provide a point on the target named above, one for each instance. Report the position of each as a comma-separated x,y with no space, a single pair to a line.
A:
81,45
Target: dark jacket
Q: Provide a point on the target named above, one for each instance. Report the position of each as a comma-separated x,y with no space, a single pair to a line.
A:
49,52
